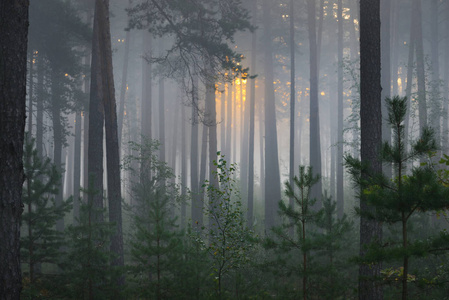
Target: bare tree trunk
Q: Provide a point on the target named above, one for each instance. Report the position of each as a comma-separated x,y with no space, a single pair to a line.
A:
112,147
183,167
40,105
58,140
422,106
124,85
13,65
340,138
385,11
197,204
371,135
292,100
77,168
96,125
272,190
435,108
315,144
445,125
229,122
252,108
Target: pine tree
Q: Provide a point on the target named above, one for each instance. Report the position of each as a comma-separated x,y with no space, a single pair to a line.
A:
41,242
396,201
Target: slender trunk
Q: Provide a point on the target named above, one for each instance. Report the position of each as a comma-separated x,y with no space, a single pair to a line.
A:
422,104
408,89
435,108
252,105
272,190
340,138
315,144
58,140
95,134
124,85
445,125
77,168
146,109
394,46
292,101
112,147
245,143
228,122
405,262
385,7
262,147
30,94
197,204
203,168
162,119
211,123
183,167
40,106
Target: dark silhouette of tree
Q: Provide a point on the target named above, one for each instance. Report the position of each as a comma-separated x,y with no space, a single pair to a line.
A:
371,135
13,64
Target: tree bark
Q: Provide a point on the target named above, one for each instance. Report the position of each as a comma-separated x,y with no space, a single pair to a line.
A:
371,134
77,168
435,86
58,139
112,147
13,61
197,205
340,139
272,190
292,100
95,134
385,12
252,108
315,144
419,47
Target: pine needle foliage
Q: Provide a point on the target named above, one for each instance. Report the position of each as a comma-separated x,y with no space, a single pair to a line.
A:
40,242
407,194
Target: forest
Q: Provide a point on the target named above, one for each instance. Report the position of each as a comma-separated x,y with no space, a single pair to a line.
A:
224,149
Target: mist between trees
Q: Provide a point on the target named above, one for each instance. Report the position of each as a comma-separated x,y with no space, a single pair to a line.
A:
218,149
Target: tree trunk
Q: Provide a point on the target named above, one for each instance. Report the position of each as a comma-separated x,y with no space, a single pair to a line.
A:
13,61
124,85
445,125
57,140
371,134
40,106
77,168
292,101
252,107
272,190
422,105
197,205
183,166
315,144
435,109
96,124
385,11
112,147
340,138
229,122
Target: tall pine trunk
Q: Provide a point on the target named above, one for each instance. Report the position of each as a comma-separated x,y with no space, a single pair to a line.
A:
340,140
315,144
13,60
272,190
371,136
112,147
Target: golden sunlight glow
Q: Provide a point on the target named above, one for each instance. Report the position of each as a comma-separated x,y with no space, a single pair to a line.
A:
66,74
323,94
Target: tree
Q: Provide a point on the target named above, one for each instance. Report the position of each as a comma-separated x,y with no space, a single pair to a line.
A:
315,144
227,240
397,201
371,133
112,146
42,242
271,162
13,57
